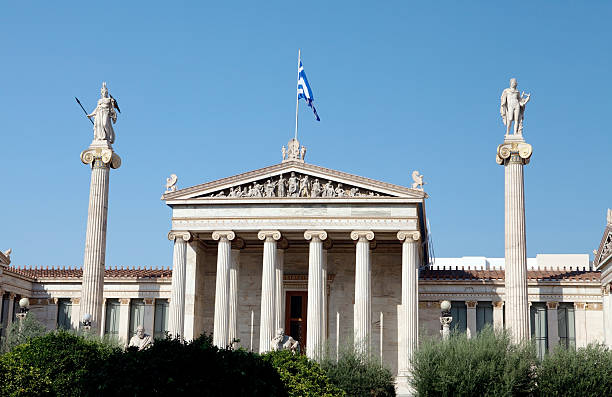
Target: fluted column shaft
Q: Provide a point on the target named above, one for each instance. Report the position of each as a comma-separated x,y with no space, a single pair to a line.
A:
324,300
234,274
95,244
279,317
314,325
517,306
268,277
176,317
408,317
362,314
222,287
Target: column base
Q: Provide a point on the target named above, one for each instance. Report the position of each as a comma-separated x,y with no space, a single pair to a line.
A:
402,386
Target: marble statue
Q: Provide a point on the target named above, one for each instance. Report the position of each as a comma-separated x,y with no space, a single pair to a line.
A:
103,114
328,190
512,108
304,184
339,192
7,253
285,342
284,151
315,191
303,152
269,188
171,183
418,180
609,216
293,185
281,186
141,340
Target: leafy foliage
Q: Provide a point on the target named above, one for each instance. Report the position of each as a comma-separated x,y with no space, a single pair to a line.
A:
171,367
301,376
359,374
583,372
22,331
488,364
55,363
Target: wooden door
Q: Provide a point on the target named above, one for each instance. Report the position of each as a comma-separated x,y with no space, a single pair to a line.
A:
295,316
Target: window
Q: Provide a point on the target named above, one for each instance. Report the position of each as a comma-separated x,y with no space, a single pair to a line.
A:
64,314
567,325
459,314
484,315
539,327
111,326
161,318
137,312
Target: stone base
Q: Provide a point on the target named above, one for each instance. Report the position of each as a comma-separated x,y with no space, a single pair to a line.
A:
513,138
403,387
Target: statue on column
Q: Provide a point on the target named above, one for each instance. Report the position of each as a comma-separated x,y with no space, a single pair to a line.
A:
103,114
512,107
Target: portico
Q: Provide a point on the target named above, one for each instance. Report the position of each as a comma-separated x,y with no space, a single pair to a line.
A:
348,245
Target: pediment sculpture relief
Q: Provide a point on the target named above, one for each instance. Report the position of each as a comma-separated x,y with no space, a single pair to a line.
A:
294,185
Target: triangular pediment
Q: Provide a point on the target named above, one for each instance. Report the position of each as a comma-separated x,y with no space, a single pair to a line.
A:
294,179
604,251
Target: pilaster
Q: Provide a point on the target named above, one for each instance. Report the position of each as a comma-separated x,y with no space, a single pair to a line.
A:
553,324
471,318
124,320
498,315
580,323
149,316
76,314
607,314
268,277
11,309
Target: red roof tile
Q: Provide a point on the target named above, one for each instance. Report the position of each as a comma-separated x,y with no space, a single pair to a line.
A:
541,275
72,272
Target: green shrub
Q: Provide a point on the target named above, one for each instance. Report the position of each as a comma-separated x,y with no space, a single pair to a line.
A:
17,379
301,376
171,367
583,372
22,331
56,362
488,364
359,375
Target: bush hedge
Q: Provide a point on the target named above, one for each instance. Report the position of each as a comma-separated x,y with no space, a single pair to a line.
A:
583,372
171,367
488,364
301,376
359,375
22,331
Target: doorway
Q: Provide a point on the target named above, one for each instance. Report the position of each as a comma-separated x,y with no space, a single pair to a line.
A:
295,316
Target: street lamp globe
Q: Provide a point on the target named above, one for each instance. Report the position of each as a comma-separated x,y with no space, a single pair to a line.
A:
24,303
86,318
445,306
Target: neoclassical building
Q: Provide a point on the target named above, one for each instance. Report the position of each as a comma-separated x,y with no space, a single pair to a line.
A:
330,257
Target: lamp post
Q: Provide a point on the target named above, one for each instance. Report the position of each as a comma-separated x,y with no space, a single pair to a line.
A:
24,307
86,322
445,318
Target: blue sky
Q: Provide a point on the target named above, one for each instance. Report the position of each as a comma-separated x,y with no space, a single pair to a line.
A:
208,91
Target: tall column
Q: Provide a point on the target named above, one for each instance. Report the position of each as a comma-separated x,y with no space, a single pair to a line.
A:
362,312
513,154
498,315
224,260
326,246
234,277
408,313
102,158
314,325
471,318
11,309
268,276
176,315
279,297
553,324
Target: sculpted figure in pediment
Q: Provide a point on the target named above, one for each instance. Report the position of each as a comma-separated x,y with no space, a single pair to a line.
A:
293,185
281,186
315,191
328,190
269,188
354,192
304,186
340,191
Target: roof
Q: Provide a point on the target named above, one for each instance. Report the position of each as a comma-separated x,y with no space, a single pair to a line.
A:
461,273
52,272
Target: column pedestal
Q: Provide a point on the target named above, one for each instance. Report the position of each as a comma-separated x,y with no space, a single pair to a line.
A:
513,154
102,158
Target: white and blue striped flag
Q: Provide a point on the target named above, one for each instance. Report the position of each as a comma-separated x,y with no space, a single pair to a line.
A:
304,90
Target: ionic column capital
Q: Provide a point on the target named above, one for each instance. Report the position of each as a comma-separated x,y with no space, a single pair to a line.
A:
315,234
224,234
498,304
513,152
269,235
124,301
552,305
362,235
174,234
106,157
471,304
404,235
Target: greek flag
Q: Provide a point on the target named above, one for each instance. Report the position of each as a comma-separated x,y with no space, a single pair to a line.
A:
304,91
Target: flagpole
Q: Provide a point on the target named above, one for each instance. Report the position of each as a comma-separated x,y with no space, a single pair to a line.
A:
297,102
